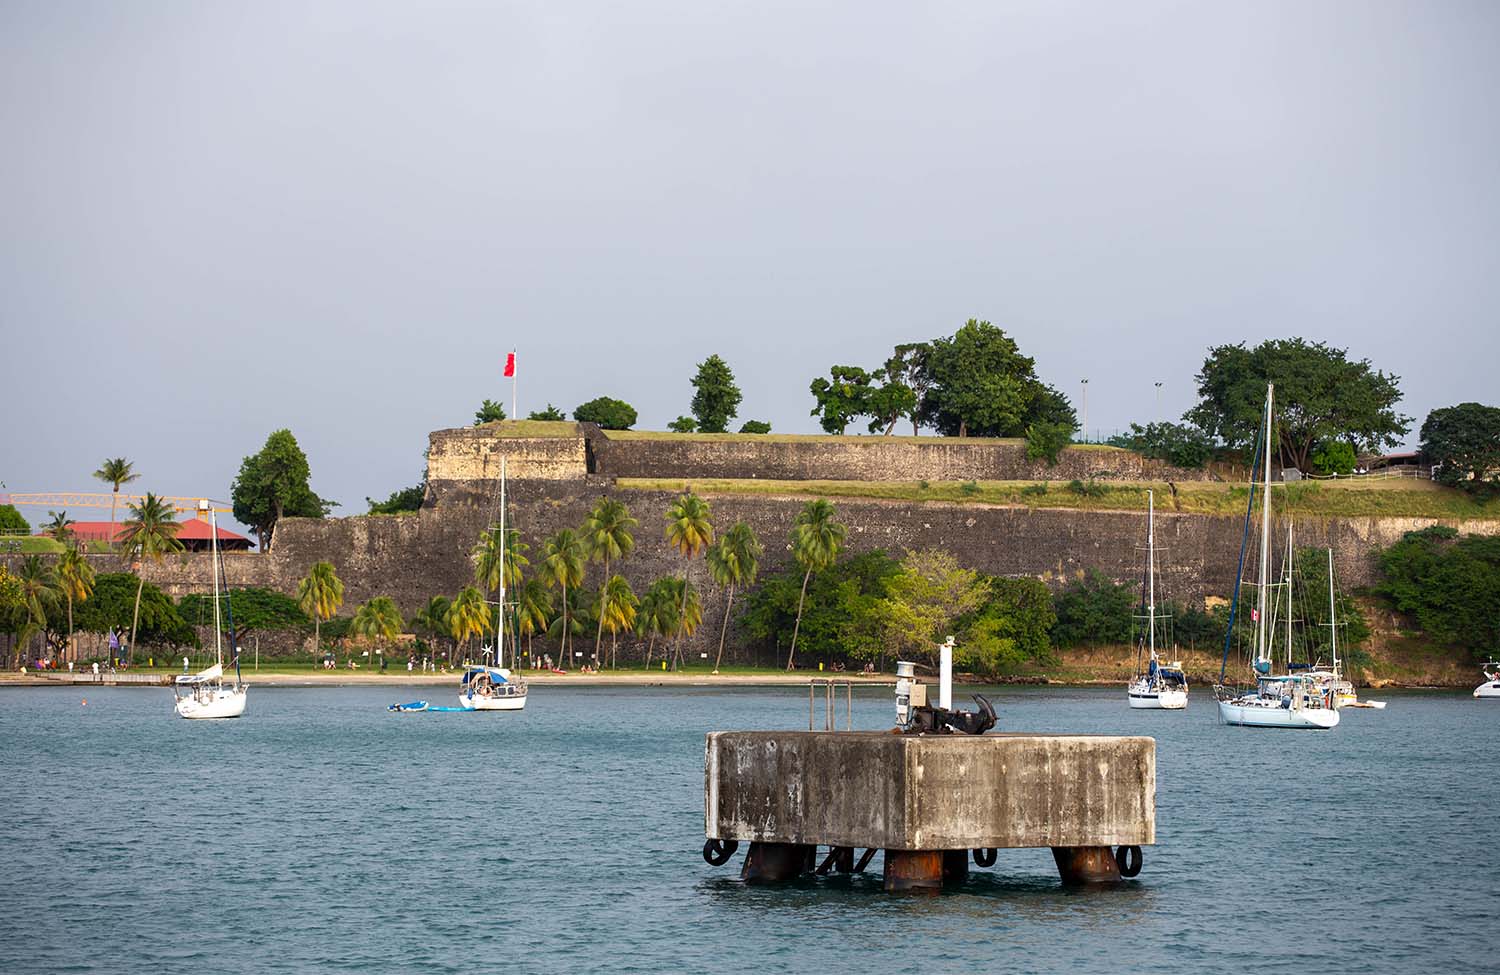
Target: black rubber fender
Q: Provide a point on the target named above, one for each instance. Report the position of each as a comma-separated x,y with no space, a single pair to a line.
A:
1129,860
718,852
985,856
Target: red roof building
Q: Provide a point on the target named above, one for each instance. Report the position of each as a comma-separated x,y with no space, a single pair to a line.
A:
194,534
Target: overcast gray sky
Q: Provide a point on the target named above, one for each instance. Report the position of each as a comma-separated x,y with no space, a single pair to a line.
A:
217,219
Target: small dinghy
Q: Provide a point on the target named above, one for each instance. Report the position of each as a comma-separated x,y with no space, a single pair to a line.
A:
409,706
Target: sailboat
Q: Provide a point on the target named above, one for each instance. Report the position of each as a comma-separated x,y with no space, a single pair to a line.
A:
1290,700
1158,687
204,694
494,688
1338,691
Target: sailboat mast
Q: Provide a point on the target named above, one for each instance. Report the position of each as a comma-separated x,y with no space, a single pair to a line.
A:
1289,561
213,555
500,627
1261,653
1333,623
1151,570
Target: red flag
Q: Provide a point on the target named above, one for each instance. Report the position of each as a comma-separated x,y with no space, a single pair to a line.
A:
1254,613
510,364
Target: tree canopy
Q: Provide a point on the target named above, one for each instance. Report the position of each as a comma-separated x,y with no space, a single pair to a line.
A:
979,384
253,607
1321,396
111,605
1463,444
489,411
12,521
840,398
611,414
273,484
550,413
716,398
755,426
1450,584
406,499
1178,444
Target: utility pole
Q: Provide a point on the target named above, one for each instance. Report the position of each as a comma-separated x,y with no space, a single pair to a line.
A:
1085,384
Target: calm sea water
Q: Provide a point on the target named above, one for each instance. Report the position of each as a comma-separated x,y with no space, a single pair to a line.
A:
323,833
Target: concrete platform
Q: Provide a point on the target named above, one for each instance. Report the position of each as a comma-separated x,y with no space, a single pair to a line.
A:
929,793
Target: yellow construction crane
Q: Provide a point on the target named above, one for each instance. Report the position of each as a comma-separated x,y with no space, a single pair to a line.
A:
61,501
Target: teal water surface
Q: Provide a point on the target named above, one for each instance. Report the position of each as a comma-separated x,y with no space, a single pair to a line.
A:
323,833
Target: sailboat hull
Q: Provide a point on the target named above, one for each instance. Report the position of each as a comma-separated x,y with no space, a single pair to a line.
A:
1148,700
222,702
478,702
1489,689
1274,716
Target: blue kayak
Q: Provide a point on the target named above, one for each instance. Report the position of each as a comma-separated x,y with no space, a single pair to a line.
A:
410,706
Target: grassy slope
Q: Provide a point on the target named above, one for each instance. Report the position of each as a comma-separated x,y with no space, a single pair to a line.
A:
532,428
1387,498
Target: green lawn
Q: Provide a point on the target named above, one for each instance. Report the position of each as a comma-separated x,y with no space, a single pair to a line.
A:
42,545
532,428
1387,498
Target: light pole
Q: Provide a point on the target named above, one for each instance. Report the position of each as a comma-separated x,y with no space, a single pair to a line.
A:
1158,401
1085,384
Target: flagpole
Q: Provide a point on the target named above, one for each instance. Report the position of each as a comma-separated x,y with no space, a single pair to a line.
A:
513,414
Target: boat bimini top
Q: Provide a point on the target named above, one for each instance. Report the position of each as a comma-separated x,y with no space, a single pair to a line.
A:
497,675
203,676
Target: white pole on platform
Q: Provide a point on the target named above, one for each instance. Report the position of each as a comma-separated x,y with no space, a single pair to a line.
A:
945,675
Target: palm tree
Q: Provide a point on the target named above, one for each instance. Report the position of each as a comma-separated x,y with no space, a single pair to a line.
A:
117,471
432,618
734,561
606,536
562,565
469,616
60,527
39,592
816,540
656,615
683,597
533,607
150,533
378,619
76,579
320,595
617,611
689,530
489,554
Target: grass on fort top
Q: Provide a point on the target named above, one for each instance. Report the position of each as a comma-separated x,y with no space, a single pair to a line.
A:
1397,497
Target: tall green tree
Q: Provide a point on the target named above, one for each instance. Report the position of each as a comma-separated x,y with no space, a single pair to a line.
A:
924,601
469,617
75,577
273,484
489,555
656,616
489,411
533,610
716,398
115,472
841,398
432,618
563,558
11,521
816,542
607,537
908,368
1321,396
617,611
980,385
149,533
733,561
319,595
60,527
1462,443
39,594
690,530
891,400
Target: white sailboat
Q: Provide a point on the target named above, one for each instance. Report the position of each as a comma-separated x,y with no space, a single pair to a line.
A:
204,694
495,688
1158,687
1291,700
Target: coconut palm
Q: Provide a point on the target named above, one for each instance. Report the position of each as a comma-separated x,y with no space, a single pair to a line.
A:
150,533
816,541
117,472
60,527
734,560
75,577
320,594
378,619
39,593
532,609
656,615
617,611
432,618
489,555
562,566
574,621
606,536
689,530
681,595
469,616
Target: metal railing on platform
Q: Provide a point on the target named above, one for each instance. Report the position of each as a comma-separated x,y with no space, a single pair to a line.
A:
830,687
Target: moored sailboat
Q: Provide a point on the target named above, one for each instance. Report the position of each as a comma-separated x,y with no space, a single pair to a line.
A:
204,694
495,688
1291,700
1157,687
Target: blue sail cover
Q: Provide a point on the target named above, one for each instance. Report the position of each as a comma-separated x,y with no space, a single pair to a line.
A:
495,675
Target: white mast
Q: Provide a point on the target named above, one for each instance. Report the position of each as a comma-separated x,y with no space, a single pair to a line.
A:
1261,653
1290,560
500,627
213,555
1333,623
1151,570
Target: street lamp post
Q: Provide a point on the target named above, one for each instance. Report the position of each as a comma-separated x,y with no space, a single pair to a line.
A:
1158,401
1085,384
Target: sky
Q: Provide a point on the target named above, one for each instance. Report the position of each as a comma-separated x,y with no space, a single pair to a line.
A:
220,219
